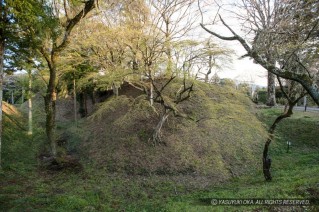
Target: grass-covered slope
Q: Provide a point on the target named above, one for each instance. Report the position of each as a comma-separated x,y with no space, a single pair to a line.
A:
24,186
295,173
17,147
221,138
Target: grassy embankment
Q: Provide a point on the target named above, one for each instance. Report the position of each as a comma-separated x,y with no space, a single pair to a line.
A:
295,174
23,186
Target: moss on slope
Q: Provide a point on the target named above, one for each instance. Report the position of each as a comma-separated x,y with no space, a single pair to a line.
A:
224,140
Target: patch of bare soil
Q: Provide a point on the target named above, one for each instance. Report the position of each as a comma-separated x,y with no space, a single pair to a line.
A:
61,163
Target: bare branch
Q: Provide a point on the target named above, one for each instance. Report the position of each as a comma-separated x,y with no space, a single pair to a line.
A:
218,35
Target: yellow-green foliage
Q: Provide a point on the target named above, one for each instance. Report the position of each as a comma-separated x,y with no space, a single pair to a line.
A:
221,138
112,105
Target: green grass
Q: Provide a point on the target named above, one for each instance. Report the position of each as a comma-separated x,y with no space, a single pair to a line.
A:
295,175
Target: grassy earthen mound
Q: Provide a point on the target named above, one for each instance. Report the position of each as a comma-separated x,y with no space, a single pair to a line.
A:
221,138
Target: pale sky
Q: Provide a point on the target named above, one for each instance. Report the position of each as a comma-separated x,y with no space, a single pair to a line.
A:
244,69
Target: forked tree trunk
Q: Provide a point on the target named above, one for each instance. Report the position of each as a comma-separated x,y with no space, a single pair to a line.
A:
157,131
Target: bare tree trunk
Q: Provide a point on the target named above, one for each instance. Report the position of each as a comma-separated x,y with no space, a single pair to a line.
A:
12,98
287,113
150,73
286,107
115,89
30,131
266,158
50,122
271,90
157,131
305,102
291,103
180,96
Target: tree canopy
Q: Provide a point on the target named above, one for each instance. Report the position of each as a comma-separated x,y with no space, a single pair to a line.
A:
85,45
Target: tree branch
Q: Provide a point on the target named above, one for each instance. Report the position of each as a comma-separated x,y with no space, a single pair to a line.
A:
218,35
89,5
281,72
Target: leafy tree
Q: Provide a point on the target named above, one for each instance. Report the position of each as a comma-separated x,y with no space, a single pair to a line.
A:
79,79
9,28
113,50
49,26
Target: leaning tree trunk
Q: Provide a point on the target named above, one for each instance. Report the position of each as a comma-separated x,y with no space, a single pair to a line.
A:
157,131
266,158
271,90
